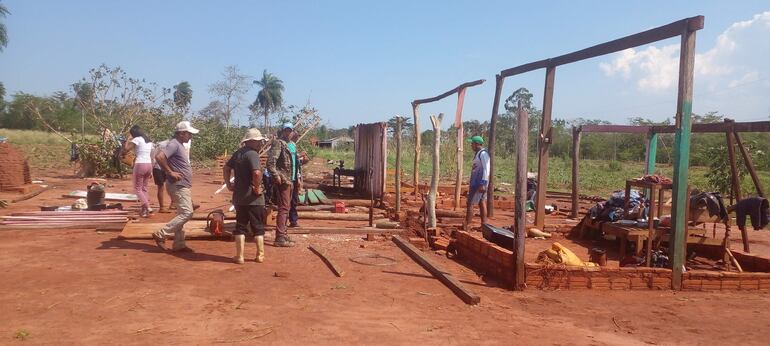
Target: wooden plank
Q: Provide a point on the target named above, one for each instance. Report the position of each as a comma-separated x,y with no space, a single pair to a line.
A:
491,146
399,121
738,127
193,230
31,194
544,146
682,156
124,197
339,230
631,41
302,198
615,129
520,221
310,194
735,178
450,92
446,278
74,212
460,146
749,165
322,197
417,144
57,227
336,270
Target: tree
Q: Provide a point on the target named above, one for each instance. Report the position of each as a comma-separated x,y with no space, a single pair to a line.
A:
231,89
270,97
406,126
3,31
2,97
214,110
182,97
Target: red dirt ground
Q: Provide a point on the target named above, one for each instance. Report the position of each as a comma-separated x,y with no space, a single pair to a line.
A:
86,287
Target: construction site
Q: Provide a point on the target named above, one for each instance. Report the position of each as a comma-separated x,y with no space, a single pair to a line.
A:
382,257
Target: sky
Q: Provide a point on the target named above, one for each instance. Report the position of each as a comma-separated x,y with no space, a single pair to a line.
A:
365,61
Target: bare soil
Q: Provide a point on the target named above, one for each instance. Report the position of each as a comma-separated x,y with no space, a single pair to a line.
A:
86,287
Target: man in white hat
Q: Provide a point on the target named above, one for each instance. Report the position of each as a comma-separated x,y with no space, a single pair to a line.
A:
248,199
174,161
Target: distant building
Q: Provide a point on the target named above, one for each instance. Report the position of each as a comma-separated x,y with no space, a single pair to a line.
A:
334,143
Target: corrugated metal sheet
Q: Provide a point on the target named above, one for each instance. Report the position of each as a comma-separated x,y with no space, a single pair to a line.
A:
371,148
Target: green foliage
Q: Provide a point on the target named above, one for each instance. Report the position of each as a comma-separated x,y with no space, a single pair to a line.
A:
270,97
97,159
214,139
3,30
182,97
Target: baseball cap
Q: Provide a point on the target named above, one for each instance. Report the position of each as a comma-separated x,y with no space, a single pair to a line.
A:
288,126
476,139
185,126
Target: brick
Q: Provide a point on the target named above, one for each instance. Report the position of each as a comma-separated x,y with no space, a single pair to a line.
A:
730,284
692,284
749,285
640,283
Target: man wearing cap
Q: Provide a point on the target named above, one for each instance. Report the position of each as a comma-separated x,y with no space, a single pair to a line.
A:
282,166
248,199
477,193
174,161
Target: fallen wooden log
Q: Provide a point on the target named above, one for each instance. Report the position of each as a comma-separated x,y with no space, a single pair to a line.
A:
31,194
338,230
447,279
337,271
320,207
193,230
310,215
57,227
70,213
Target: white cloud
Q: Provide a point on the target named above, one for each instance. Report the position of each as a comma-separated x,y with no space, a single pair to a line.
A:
740,56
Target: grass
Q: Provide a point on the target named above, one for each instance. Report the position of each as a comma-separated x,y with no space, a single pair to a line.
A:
43,149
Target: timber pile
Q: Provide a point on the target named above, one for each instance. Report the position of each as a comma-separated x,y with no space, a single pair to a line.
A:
195,229
64,220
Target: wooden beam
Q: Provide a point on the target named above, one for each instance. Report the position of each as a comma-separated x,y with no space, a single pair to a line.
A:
749,165
544,145
575,172
682,154
491,146
338,230
460,141
738,127
450,92
416,173
433,192
652,152
399,120
735,178
656,34
520,221
446,278
336,270
616,128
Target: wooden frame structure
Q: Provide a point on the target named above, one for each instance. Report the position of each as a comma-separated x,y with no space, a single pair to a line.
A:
460,91
686,29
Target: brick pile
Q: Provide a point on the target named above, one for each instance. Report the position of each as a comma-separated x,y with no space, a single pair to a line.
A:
14,168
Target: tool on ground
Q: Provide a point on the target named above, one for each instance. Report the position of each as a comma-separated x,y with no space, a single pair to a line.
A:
215,222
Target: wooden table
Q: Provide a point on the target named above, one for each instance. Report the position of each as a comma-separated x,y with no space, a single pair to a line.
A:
639,235
655,190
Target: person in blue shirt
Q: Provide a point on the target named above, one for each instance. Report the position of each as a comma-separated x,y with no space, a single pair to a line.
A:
477,192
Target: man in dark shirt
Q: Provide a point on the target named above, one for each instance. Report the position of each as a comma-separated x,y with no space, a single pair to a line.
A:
248,199
175,162
281,164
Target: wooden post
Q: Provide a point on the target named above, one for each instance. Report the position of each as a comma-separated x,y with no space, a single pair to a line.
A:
682,156
399,119
416,173
491,146
575,171
460,140
431,207
735,178
545,144
520,222
652,151
749,165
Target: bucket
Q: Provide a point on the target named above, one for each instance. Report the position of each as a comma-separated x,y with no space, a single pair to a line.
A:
598,256
95,195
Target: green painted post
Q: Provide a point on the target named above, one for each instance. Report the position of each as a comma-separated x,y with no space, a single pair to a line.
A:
652,151
682,157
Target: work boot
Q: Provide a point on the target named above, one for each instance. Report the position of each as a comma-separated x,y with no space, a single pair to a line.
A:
293,225
160,240
260,240
283,241
240,241
145,213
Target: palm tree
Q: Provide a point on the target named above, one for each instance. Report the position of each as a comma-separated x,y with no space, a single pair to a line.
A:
270,98
3,31
182,96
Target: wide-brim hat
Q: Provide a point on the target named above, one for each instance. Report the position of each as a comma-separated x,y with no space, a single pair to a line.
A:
253,135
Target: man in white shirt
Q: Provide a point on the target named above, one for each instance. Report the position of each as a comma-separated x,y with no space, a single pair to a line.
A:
477,192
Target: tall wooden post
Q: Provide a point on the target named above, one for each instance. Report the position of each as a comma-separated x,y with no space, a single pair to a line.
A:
545,144
433,192
491,146
460,140
399,119
749,165
416,173
735,178
575,171
682,156
652,152
520,221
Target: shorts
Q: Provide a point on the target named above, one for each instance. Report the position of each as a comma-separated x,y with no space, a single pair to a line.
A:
159,176
476,197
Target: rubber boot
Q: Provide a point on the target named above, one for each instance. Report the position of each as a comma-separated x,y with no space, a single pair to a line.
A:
260,240
240,241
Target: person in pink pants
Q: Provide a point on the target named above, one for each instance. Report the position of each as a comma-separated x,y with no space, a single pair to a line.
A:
142,146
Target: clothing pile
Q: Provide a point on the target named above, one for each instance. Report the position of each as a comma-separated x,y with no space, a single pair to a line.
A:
756,208
711,201
612,209
655,179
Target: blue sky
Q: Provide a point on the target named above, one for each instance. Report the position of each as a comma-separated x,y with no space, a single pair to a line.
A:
359,61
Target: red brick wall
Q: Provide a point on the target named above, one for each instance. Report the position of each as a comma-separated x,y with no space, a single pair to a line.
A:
495,261
14,169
